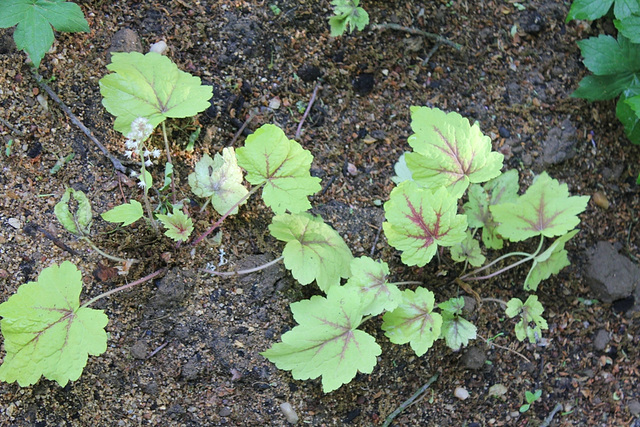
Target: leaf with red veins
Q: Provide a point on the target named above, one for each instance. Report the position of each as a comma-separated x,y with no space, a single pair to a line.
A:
326,341
419,220
449,152
370,278
546,209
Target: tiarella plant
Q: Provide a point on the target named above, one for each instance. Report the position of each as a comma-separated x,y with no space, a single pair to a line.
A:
421,216
449,155
34,19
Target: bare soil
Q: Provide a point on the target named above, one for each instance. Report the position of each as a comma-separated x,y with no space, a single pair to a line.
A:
184,349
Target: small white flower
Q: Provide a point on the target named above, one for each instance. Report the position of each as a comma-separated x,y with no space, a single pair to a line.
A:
131,144
148,163
133,174
128,154
156,153
142,184
140,129
147,153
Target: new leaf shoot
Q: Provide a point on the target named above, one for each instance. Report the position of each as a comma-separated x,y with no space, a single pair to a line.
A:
530,313
79,222
370,278
178,225
456,330
127,213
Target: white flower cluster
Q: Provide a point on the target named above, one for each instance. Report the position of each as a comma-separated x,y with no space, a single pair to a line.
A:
140,130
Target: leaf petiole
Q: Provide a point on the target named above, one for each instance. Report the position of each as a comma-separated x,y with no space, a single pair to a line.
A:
247,271
104,254
124,287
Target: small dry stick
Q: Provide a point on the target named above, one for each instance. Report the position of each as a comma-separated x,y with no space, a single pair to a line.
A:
408,402
375,241
76,121
549,418
505,348
252,114
154,352
306,112
10,126
417,32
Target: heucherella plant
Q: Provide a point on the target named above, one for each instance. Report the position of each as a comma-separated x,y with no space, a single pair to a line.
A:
347,14
35,19
451,158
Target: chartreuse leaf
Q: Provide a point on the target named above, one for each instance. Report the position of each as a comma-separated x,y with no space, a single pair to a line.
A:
551,261
544,209
449,152
370,278
178,225
402,171
468,250
220,179
347,13
530,312
314,250
414,321
150,86
419,220
35,19
127,213
327,342
79,222
46,332
501,189
282,165
456,330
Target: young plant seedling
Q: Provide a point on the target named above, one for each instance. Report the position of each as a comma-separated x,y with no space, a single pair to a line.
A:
347,13
34,19
530,398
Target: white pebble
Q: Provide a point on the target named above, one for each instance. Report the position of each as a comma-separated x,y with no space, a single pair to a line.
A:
289,412
160,47
461,393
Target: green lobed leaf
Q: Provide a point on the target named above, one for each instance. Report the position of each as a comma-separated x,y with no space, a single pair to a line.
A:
630,99
282,165
46,332
468,250
220,179
625,8
501,189
629,27
376,293
419,220
127,213
34,19
178,225
150,86
449,152
604,55
456,330
326,341
347,13
551,261
599,88
414,321
168,175
314,250
77,223
530,312
588,9
544,209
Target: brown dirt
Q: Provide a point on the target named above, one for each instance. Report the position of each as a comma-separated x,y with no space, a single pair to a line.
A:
515,81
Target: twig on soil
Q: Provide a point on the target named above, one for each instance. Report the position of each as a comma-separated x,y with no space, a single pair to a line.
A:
433,50
306,112
241,272
10,126
76,121
59,243
252,114
328,184
549,418
436,37
154,352
505,348
375,241
408,402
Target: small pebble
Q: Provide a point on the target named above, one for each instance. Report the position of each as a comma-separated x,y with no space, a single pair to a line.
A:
224,412
497,390
160,47
289,412
601,340
461,393
601,200
634,407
